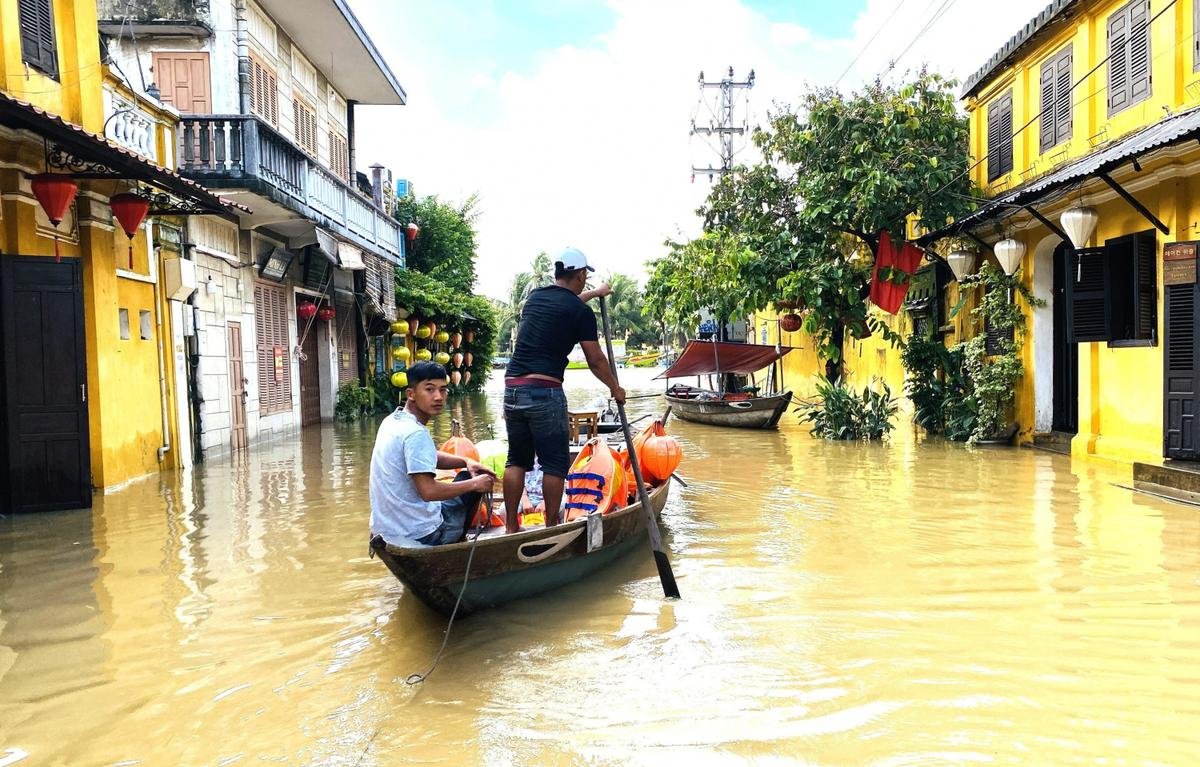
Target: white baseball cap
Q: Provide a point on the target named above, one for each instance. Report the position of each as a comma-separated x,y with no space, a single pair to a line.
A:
572,258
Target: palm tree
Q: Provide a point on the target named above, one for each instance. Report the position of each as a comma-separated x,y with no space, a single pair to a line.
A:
540,274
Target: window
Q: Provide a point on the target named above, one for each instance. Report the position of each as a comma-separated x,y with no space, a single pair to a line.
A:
1056,100
38,49
305,118
1000,137
264,91
1128,56
339,156
271,340
1114,291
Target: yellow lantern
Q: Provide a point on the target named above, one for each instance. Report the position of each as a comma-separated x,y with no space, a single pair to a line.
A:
422,332
423,355
402,353
442,337
399,379
441,358
400,328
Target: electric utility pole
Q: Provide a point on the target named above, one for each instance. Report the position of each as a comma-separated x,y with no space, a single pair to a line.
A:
721,122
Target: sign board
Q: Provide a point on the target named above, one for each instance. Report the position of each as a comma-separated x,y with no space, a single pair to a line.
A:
1179,263
278,371
277,264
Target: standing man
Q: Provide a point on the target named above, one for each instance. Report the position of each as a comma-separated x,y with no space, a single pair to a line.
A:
407,501
553,320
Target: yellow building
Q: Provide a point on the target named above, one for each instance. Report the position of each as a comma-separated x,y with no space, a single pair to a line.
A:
86,386
1089,115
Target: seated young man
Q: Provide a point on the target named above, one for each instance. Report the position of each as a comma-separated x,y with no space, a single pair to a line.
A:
406,499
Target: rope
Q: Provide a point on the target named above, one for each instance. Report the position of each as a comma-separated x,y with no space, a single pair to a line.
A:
414,679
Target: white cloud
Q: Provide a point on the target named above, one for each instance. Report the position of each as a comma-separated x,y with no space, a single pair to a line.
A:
590,145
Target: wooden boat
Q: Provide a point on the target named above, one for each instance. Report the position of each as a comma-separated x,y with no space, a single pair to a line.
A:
719,408
508,567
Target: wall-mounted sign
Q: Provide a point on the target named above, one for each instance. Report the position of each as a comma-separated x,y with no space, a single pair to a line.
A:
278,371
277,264
1179,263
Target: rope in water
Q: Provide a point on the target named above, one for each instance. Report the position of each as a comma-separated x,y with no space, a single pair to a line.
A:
414,679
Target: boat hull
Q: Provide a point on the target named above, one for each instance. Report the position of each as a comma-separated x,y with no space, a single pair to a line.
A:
753,413
508,567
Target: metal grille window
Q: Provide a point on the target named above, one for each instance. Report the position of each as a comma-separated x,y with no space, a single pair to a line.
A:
264,91
306,126
1056,100
1128,55
271,339
1000,136
38,48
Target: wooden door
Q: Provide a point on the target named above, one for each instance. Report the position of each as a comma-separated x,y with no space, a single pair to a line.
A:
310,376
1065,414
47,465
184,80
237,388
1181,387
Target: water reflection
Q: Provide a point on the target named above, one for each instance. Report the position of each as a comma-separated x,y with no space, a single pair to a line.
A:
911,603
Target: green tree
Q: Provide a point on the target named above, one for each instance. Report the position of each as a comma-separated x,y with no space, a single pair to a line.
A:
445,247
803,224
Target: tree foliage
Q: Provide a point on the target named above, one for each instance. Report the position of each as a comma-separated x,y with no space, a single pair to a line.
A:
445,247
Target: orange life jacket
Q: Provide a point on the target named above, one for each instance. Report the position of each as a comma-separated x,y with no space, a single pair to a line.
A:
595,482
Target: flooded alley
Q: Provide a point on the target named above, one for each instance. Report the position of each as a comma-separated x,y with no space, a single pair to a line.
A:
910,603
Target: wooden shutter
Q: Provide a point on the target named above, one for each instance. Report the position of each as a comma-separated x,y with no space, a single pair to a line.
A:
184,80
1000,137
1181,379
1063,117
264,91
270,333
38,48
1145,286
1088,295
1131,263
1118,61
1046,127
339,156
1139,50
305,119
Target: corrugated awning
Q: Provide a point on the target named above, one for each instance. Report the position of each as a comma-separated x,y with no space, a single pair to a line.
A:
704,357
87,154
1170,131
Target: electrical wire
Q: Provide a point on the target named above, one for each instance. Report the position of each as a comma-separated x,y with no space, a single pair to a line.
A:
937,16
867,44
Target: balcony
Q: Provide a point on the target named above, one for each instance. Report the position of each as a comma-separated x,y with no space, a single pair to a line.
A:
138,124
188,18
243,152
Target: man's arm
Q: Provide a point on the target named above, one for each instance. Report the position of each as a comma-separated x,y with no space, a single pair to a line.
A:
431,490
598,364
604,290
452,461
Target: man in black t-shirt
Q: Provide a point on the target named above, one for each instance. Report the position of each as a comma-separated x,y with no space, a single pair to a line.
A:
553,320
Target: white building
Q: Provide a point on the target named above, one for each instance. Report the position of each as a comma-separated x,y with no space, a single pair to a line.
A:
266,92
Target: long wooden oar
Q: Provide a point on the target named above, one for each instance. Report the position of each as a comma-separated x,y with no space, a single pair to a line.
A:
665,574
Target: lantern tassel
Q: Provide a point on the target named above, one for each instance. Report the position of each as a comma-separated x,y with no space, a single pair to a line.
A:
131,255
57,254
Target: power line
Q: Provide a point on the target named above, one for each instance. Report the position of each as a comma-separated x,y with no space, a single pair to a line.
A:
937,16
867,44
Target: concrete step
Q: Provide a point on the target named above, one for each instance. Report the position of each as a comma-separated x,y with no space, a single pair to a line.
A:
1054,442
1178,480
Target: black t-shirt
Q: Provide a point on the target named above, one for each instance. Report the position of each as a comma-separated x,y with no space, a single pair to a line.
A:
552,322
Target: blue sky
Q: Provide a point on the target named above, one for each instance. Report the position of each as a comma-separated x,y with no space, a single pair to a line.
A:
570,118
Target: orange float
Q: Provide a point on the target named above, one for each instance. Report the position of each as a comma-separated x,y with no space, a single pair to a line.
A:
658,454
458,444
595,481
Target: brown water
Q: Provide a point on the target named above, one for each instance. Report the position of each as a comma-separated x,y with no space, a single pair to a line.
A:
909,604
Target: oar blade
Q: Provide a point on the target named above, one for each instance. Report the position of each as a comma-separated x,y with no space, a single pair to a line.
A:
666,575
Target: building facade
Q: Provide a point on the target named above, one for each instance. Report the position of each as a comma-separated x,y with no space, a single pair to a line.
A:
266,93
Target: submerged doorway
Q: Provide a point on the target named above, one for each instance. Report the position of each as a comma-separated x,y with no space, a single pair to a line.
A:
310,375
1065,415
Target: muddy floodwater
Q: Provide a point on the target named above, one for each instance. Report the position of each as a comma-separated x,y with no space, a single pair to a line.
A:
912,603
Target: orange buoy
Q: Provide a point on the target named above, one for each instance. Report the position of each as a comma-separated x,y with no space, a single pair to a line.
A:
658,454
458,444
595,481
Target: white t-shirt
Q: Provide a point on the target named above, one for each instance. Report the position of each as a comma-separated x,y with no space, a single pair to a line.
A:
403,446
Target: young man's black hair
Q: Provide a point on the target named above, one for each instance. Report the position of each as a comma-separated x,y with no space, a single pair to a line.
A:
425,371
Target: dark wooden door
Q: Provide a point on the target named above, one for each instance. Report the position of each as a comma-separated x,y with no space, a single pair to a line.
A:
47,465
237,389
1180,385
310,376
1065,415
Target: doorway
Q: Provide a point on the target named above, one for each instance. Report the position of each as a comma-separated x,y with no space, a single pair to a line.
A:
237,389
310,376
46,461
1065,416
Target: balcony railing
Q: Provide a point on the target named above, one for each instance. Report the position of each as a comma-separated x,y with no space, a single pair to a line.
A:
236,150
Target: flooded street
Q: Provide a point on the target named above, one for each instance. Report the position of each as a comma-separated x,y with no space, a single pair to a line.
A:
914,603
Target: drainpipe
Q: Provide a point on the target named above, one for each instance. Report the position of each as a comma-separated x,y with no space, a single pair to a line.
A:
350,143
242,33
162,365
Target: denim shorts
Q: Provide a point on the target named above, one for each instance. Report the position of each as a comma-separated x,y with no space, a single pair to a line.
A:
536,419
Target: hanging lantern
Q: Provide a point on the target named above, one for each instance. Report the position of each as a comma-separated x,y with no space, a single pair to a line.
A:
306,309
456,378
423,355
411,231
790,323
467,377
422,331
400,328
470,336
469,359
962,263
326,313
130,210
1080,224
400,379
441,358
458,358
402,353
441,337
1009,253
402,313
54,192
432,328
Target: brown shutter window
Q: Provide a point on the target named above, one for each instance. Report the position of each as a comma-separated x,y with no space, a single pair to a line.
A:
38,48
264,91
339,156
305,119
271,336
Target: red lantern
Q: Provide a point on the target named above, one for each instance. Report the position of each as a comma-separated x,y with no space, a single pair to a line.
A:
54,192
470,336
411,231
790,323
305,310
130,210
326,313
